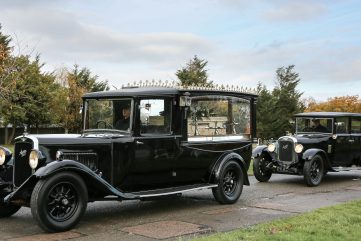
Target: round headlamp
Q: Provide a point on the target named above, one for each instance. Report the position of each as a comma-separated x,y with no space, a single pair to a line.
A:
59,155
298,148
271,147
2,156
34,158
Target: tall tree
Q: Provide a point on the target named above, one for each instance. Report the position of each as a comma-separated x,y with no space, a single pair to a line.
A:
79,82
32,94
195,73
4,46
275,109
5,50
288,99
266,104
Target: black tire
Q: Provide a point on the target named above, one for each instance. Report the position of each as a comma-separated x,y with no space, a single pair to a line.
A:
260,170
58,203
230,184
8,210
313,171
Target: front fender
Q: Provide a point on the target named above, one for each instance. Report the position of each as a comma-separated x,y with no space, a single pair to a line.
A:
310,153
227,157
257,152
69,165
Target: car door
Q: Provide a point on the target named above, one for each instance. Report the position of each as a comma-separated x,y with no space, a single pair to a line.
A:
355,143
155,145
342,144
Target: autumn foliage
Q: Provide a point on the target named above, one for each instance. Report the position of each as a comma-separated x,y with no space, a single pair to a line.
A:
337,104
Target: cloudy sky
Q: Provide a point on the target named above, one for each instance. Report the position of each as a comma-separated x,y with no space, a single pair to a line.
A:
243,41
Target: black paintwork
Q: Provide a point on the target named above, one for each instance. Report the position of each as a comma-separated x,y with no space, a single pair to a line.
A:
122,165
336,150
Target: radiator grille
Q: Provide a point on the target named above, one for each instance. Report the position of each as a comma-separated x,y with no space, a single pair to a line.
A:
22,170
285,150
89,159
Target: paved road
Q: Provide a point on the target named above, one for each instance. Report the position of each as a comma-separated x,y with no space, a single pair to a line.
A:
195,213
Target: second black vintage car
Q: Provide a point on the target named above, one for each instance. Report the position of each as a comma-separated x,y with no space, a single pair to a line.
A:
323,142
137,143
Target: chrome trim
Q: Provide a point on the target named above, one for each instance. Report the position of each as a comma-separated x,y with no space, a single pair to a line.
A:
176,192
289,137
31,137
216,138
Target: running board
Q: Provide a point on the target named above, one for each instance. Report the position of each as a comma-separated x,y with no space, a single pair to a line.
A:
339,169
172,190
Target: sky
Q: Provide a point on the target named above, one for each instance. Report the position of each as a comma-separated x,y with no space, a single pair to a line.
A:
243,41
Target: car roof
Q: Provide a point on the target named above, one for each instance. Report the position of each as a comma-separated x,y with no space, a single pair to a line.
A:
327,114
166,91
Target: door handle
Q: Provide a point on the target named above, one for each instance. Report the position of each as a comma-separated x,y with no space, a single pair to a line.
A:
139,142
351,141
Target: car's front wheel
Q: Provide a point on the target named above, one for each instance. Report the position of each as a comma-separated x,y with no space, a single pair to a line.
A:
7,210
260,169
230,183
313,171
58,203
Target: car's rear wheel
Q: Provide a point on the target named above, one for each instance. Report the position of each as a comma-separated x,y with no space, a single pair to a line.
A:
230,183
260,170
313,171
58,203
7,210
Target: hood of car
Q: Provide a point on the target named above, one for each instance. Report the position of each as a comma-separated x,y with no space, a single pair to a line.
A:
76,139
312,138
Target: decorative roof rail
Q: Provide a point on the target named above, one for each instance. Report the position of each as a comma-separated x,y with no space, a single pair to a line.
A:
177,85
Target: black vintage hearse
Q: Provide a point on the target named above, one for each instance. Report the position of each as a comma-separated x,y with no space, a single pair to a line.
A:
136,143
323,142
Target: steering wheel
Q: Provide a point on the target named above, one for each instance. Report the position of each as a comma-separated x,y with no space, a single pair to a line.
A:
103,122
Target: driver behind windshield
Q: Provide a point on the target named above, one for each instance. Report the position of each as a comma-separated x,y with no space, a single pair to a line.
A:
123,123
317,127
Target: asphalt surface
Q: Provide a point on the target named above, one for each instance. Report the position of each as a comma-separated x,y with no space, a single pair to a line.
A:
195,213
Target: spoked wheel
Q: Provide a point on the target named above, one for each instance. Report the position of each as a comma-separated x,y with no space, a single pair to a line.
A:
7,210
313,171
58,203
230,184
260,170
62,202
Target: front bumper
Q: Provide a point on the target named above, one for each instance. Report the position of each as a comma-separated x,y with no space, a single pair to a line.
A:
286,167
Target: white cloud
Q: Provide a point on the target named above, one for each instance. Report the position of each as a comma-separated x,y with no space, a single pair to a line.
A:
295,11
59,35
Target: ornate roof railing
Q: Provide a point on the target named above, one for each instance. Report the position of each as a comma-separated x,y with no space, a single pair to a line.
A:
177,85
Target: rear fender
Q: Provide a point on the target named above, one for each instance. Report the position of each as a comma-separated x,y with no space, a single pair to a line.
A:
228,157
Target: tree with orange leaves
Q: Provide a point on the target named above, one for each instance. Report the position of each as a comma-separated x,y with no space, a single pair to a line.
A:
336,104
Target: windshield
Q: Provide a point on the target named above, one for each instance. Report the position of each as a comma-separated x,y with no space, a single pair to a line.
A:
312,125
108,115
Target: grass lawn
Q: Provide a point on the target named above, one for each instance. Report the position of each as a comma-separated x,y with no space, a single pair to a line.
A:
340,222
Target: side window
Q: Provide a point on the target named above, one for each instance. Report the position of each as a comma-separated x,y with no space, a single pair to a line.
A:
341,125
356,126
155,116
210,116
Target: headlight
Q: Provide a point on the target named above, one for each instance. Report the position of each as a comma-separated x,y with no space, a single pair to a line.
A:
2,156
59,155
271,147
34,158
5,155
298,148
